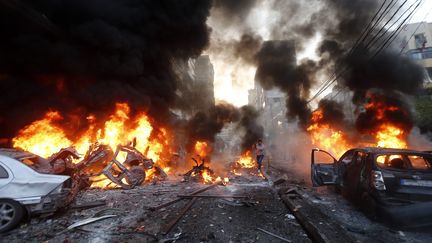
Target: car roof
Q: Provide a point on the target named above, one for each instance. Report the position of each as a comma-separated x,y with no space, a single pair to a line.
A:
378,150
16,153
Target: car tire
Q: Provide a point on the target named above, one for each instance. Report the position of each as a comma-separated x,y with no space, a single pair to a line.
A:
11,214
138,174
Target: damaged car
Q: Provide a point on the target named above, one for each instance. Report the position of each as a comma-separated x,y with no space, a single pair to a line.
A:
394,185
26,188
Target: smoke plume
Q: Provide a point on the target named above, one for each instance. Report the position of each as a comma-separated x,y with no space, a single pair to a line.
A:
204,125
252,129
81,57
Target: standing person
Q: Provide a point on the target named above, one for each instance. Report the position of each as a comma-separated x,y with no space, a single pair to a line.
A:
259,152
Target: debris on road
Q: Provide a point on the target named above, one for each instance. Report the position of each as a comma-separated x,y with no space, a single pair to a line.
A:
89,221
274,235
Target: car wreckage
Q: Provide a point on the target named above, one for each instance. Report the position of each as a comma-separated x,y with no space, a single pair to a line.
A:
394,185
30,184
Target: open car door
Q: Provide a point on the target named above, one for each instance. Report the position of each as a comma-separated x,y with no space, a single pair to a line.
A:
323,173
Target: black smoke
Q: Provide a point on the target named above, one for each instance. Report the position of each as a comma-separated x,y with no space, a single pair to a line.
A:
251,127
388,71
383,108
332,113
234,10
277,67
205,125
83,56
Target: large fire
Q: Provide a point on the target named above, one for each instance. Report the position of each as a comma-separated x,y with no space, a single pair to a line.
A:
44,137
385,132
389,136
325,136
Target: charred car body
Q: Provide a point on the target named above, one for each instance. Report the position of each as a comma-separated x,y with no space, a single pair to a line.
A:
393,184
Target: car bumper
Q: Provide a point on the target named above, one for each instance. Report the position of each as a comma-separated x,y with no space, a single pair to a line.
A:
47,204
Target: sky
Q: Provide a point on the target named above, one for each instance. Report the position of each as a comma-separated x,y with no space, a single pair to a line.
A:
232,80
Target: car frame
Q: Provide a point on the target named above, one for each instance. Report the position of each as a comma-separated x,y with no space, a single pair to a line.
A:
400,196
24,191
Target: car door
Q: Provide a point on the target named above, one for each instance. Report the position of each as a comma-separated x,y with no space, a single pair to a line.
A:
323,172
354,170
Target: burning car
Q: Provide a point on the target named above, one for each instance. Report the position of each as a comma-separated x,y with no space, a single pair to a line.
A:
25,189
393,184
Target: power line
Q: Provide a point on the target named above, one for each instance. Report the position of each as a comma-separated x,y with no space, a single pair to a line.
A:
367,30
329,82
391,26
392,37
415,31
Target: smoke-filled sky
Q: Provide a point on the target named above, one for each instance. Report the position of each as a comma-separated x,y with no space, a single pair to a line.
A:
234,76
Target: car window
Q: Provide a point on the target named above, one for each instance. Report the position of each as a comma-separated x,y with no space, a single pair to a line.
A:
392,161
420,162
3,173
347,157
404,162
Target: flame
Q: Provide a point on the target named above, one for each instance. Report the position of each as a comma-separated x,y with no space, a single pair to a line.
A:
324,136
389,133
207,177
389,136
43,137
202,149
246,161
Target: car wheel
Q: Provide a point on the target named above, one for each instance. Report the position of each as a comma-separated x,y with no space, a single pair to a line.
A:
11,213
138,176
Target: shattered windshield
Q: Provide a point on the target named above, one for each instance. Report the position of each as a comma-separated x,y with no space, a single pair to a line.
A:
405,161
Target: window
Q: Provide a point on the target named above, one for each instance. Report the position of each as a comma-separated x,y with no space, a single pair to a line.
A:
415,56
419,162
404,162
347,157
3,173
420,41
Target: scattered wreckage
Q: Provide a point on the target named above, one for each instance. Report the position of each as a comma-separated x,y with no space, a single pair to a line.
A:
393,184
198,171
30,184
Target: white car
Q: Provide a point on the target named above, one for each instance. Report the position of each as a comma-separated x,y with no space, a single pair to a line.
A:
24,190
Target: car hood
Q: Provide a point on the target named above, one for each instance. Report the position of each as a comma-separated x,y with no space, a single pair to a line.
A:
38,185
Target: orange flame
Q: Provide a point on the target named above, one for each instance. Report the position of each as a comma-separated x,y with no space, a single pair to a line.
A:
326,137
389,136
202,149
246,160
43,137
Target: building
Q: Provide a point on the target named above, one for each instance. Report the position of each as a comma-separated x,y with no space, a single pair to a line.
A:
195,89
272,102
203,84
415,41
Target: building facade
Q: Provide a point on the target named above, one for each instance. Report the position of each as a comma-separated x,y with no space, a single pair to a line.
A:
415,41
271,103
